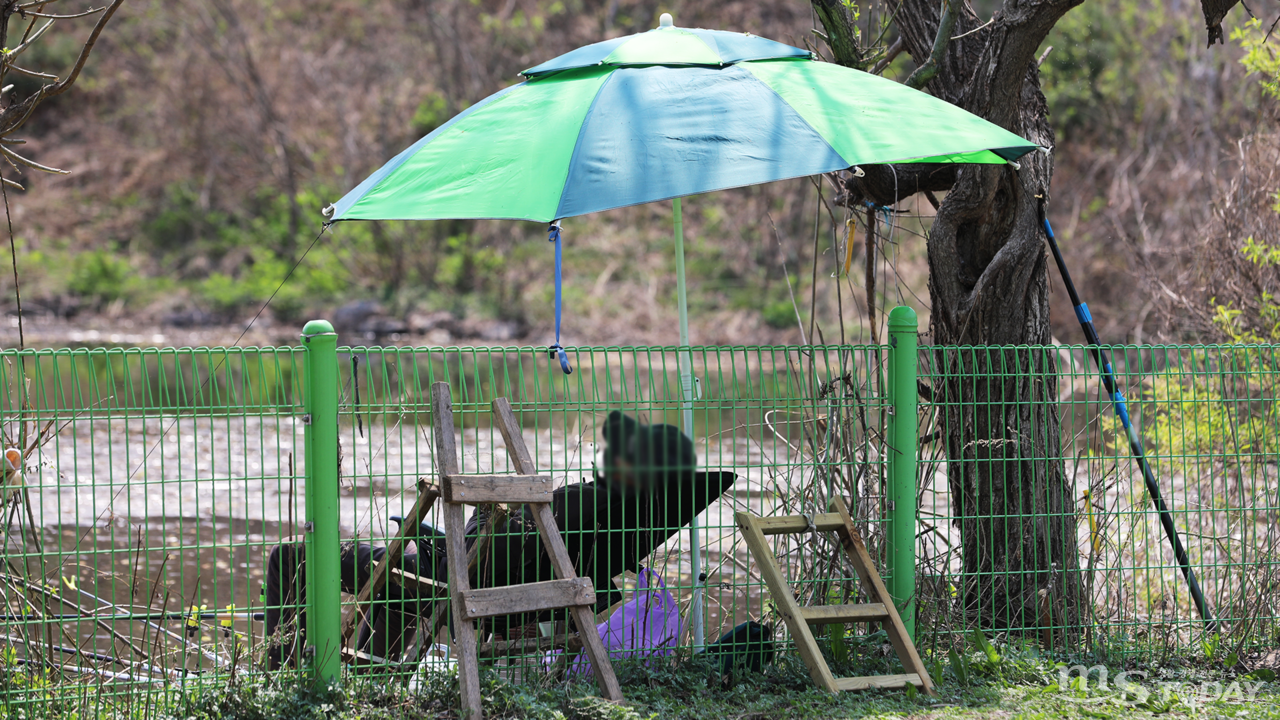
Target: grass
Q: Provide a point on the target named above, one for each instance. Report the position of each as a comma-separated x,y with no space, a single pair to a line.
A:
980,682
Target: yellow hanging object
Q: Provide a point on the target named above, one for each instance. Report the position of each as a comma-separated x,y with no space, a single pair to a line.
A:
850,234
226,622
193,620
1093,524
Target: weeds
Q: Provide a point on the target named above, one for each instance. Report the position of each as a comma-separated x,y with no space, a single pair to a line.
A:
977,678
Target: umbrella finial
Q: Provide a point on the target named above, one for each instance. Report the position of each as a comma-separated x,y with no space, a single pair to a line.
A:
665,20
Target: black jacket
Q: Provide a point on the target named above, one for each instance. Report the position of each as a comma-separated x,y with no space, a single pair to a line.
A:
606,531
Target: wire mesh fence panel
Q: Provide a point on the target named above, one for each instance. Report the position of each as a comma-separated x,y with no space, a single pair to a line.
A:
1057,539
775,431
146,488
152,482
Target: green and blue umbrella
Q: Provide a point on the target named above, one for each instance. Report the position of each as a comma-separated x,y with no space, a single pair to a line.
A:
661,115
657,116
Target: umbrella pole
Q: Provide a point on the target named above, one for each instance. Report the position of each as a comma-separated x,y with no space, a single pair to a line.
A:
685,361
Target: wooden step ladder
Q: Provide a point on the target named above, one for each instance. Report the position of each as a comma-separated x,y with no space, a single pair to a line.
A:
798,619
468,605
388,569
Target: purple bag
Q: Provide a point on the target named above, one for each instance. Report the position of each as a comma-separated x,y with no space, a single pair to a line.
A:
646,625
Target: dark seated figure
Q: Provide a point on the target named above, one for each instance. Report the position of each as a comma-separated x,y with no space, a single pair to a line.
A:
646,490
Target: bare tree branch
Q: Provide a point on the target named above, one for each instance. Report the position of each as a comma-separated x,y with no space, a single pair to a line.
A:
86,13
61,87
14,116
31,163
26,43
36,4
32,73
261,95
927,70
889,56
841,34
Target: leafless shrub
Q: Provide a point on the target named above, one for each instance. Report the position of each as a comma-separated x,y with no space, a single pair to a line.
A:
1214,271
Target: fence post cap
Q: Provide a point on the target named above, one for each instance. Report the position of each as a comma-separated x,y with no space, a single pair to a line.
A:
903,318
317,327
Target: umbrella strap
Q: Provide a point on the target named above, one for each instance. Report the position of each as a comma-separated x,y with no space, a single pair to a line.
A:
557,350
886,210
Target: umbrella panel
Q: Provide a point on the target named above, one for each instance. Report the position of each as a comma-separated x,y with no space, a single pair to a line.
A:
658,132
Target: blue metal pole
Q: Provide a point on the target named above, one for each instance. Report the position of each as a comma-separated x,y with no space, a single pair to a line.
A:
1135,443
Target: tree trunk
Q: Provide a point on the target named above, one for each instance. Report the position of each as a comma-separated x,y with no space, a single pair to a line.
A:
988,286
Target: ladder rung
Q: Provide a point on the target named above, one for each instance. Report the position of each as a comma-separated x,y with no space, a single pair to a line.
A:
571,643
356,657
478,489
841,614
425,586
515,599
878,681
789,524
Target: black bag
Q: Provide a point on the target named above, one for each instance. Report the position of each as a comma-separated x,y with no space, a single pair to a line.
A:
748,647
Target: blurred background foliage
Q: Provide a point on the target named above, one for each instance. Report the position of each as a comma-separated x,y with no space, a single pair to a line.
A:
210,133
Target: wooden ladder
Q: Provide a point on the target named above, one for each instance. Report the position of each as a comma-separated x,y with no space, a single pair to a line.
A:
468,605
798,619
388,568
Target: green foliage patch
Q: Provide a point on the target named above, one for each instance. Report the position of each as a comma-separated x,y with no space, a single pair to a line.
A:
1260,57
981,678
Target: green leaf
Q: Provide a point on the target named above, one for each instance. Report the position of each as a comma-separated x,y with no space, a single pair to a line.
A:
1210,646
980,641
959,666
839,648
1263,674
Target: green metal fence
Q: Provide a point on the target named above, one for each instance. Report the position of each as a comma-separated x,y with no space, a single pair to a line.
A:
1056,534
156,484
794,424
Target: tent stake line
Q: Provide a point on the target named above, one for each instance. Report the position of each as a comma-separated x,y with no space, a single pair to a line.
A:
1135,443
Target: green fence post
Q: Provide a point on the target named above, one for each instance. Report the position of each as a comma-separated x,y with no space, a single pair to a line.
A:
903,452
324,599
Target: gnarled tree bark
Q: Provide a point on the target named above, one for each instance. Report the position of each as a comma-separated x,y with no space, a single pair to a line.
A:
988,287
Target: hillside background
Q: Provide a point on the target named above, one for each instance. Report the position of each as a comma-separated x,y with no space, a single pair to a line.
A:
208,134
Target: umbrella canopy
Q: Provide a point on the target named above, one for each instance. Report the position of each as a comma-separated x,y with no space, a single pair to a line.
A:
664,114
